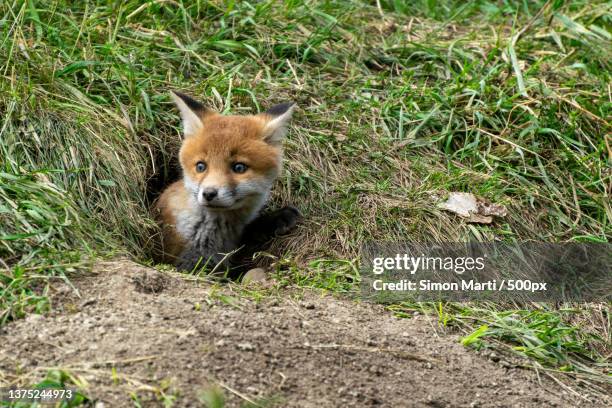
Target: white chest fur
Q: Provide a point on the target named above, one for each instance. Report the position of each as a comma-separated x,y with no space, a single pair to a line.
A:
214,231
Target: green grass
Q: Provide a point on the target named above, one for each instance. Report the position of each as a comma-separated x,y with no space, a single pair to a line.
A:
400,102
58,379
551,339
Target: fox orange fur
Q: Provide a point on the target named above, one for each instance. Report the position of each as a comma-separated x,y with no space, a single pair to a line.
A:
229,165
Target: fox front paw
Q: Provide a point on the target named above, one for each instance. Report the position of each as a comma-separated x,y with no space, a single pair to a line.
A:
286,219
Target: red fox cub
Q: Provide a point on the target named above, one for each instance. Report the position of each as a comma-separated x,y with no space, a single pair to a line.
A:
229,165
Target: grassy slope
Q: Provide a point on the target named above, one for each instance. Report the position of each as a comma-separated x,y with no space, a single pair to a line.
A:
399,103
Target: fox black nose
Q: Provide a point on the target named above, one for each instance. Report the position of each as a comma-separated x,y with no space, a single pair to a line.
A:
209,194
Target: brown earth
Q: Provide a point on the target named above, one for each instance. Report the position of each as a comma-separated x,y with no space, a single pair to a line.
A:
129,329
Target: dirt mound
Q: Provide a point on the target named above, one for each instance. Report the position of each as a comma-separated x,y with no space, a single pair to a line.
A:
135,331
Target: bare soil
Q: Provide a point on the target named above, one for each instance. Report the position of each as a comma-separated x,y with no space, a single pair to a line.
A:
130,330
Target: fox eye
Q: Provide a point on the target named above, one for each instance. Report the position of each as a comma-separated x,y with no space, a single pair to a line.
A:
239,167
200,167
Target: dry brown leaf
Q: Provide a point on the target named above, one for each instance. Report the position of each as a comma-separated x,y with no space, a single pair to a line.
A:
474,209
486,208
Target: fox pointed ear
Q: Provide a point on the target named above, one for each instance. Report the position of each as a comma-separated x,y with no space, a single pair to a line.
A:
277,120
192,113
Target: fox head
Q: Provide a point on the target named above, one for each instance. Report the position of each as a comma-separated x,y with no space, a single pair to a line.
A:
231,162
